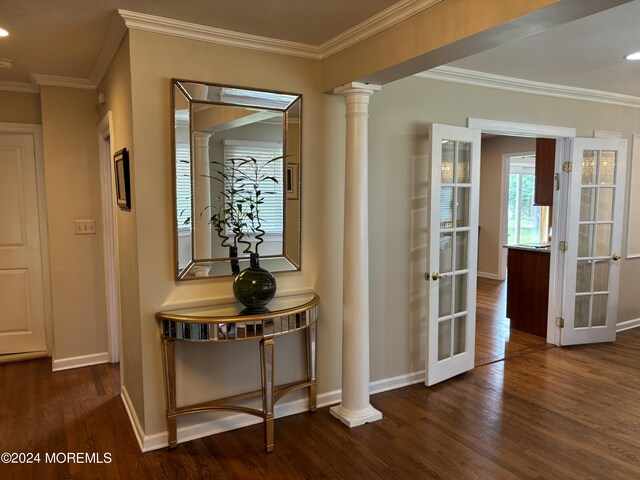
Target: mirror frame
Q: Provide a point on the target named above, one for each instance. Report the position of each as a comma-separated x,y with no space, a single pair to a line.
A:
268,260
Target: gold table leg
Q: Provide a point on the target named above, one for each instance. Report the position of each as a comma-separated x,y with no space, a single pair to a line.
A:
267,348
169,357
311,366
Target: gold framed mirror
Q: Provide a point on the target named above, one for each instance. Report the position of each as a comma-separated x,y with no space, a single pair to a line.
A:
229,142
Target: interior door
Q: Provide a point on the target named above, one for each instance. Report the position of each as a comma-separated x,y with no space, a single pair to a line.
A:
594,235
452,251
22,324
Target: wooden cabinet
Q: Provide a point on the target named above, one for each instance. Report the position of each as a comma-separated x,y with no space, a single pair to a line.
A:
545,161
528,289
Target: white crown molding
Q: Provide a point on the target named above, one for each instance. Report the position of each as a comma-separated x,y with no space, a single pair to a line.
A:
481,79
18,87
375,24
381,21
56,81
177,28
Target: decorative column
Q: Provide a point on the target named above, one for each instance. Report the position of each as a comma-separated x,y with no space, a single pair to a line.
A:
355,408
202,197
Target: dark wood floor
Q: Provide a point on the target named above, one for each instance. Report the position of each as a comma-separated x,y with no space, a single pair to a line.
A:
494,339
556,413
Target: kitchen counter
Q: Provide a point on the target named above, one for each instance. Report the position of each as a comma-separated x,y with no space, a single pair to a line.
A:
532,247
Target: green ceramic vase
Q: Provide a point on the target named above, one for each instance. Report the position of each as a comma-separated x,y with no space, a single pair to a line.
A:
254,287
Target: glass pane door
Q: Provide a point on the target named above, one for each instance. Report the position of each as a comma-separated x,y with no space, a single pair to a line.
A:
452,251
594,237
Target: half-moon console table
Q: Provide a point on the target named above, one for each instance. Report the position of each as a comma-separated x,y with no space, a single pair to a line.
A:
228,323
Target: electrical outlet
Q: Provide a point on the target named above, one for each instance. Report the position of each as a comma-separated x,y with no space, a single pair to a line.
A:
85,226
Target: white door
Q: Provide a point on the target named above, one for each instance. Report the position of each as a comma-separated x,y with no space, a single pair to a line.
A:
594,235
22,324
452,251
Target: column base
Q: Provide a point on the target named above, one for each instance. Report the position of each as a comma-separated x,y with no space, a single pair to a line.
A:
355,418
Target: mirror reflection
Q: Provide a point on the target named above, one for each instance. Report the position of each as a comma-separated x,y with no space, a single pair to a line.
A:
237,179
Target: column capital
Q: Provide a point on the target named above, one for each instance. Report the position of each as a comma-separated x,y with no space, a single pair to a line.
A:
352,88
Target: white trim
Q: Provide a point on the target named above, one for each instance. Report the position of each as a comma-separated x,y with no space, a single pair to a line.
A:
633,196
481,79
239,420
82,361
21,87
38,145
375,24
58,81
192,31
499,127
390,16
627,325
490,276
109,236
133,419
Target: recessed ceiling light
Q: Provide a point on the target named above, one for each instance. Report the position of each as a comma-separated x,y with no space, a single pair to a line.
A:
3,33
632,56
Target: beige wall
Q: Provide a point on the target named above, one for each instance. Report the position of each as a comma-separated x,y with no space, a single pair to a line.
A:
489,241
69,122
20,107
116,87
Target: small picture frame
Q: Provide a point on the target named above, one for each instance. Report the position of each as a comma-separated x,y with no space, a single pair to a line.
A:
121,171
291,181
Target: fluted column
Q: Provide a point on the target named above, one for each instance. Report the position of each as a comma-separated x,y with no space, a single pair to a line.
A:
355,408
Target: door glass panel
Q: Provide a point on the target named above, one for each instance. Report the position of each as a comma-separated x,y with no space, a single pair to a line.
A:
599,314
607,167
446,252
445,286
582,311
589,167
464,162
587,204
444,339
462,210
603,240
605,204
459,335
585,241
583,277
461,293
446,207
601,276
462,250
446,168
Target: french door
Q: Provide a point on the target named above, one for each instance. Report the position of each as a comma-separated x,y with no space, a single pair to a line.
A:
452,251
593,240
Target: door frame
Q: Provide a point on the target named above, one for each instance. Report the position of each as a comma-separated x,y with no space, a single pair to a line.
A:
35,130
106,148
563,136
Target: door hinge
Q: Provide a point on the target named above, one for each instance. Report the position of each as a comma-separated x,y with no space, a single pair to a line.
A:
564,246
567,166
556,179
560,322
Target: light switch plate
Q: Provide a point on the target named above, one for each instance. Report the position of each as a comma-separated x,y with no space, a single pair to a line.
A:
85,226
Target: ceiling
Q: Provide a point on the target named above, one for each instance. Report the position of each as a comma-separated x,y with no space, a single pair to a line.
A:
65,37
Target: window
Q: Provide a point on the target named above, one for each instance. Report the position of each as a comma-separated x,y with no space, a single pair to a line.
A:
271,212
183,186
525,221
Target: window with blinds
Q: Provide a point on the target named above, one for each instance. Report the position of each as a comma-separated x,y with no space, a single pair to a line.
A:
271,211
183,185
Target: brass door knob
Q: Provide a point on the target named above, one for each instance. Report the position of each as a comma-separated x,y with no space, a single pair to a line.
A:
615,257
435,275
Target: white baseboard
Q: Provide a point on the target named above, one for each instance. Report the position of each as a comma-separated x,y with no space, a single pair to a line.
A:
492,276
133,418
239,420
629,324
77,362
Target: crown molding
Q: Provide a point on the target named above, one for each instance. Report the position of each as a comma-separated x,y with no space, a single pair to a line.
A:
20,87
375,24
56,81
192,31
381,21
481,79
